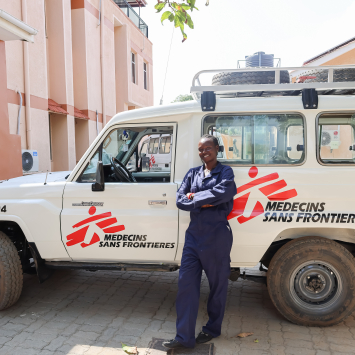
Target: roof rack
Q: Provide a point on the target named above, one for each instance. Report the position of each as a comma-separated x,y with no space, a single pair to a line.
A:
330,82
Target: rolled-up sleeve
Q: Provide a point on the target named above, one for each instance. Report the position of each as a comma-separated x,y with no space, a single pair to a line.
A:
221,193
182,202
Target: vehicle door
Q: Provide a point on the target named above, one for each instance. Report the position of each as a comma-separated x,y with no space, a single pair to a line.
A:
128,221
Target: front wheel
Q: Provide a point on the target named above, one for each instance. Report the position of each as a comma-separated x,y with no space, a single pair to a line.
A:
311,281
11,279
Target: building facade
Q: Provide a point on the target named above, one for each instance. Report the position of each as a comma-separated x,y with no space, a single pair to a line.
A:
342,54
89,60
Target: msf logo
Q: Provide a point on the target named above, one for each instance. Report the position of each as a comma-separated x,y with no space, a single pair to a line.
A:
88,234
268,190
151,161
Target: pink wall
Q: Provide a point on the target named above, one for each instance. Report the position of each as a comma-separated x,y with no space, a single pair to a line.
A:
66,65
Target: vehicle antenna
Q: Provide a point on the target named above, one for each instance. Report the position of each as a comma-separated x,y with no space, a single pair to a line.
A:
45,182
167,64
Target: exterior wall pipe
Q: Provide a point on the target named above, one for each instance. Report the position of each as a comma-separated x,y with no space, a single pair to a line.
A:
27,82
97,123
19,114
102,60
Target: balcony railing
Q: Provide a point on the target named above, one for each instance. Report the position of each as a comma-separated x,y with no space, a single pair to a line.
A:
128,10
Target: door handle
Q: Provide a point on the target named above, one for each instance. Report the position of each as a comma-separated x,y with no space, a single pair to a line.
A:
157,202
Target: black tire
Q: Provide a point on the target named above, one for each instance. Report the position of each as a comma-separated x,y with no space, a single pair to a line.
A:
295,281
321,75
11,279
243,78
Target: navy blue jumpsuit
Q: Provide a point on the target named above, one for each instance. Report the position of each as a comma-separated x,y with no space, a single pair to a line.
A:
208,242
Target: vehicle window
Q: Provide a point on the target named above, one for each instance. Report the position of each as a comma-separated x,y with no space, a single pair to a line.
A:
336,139
153,146
128,146
144,148
265,139
165,143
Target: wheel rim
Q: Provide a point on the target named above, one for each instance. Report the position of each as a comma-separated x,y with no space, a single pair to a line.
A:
315,284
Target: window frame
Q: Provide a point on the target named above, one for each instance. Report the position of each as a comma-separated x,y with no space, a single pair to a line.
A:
74,177
319,160
145,75
244,113
134,67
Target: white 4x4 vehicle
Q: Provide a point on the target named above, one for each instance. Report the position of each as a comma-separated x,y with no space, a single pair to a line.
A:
291,147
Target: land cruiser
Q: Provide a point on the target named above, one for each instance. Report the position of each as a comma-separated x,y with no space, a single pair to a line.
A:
291,146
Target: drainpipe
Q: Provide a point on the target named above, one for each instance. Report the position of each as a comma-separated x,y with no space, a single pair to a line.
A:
19,114
102,60
27,81
97,123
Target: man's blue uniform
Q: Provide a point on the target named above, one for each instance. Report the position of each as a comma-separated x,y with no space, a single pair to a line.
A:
208,243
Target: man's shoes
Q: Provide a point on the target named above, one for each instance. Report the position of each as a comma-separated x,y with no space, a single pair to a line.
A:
172,344
203,338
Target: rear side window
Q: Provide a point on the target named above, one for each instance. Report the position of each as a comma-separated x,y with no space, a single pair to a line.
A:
335,140
165,144
263,139
153,146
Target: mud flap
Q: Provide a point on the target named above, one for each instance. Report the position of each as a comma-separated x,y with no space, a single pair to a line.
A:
43,273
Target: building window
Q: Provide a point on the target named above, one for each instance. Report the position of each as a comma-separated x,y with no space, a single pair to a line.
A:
134,68
145,73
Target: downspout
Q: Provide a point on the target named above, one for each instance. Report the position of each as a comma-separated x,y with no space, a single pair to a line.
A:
19,114
97,123
102,60
27,82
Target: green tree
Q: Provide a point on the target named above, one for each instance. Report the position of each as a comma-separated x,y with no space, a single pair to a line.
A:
178,12
182,98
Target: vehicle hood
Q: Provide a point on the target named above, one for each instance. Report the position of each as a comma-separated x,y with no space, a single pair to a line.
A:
35,178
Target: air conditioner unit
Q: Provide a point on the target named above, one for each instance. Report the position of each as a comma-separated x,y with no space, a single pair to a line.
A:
329,136
29,161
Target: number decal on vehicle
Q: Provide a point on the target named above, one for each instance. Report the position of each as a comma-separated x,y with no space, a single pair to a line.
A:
3,209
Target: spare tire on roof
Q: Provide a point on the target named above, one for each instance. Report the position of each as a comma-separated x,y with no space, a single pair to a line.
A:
249,77
321,75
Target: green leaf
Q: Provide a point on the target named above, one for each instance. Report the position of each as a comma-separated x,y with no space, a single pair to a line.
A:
165,16
177,21
171,17
160,6
174,5
189,21
181,16
183,34
185,7
129,349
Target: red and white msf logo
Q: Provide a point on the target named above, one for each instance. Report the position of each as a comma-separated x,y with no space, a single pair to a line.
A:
88,234
151,161
268,190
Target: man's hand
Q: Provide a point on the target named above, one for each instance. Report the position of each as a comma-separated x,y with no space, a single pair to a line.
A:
190,196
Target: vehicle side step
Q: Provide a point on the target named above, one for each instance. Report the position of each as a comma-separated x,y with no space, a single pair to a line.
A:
110,266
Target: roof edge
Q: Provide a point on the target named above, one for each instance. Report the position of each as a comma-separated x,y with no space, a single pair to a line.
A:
329,51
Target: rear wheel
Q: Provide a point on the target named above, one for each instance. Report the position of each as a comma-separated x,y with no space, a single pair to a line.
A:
311,281
11,279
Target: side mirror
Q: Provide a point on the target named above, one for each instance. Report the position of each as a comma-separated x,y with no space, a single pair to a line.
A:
221,148
352,147
99,184
300,147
